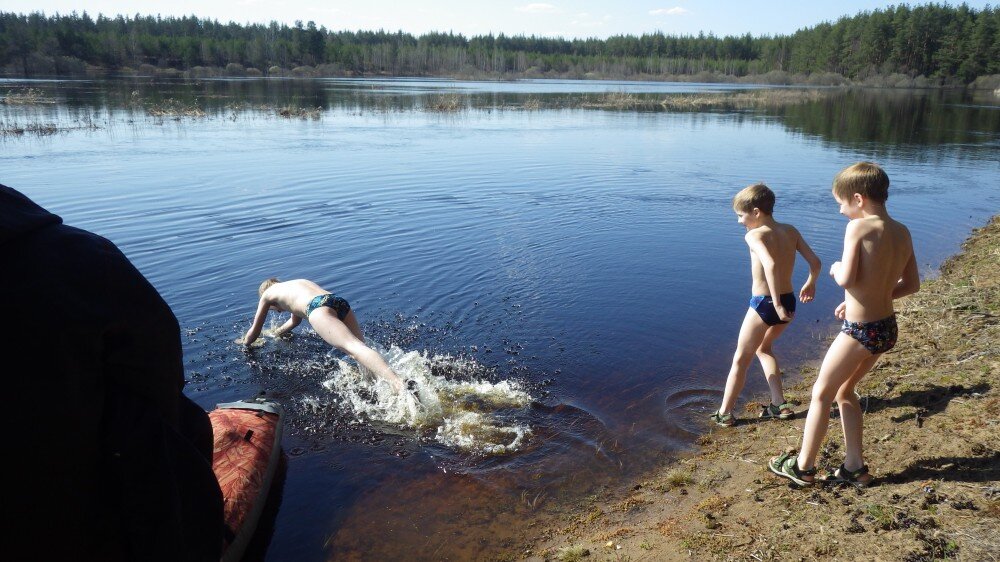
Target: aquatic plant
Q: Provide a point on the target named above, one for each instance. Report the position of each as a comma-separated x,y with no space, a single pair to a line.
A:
445,103
533,502
14,129
766,98
532,104
171,107
29,96
288,112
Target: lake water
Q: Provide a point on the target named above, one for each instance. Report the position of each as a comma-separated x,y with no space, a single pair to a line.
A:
566,283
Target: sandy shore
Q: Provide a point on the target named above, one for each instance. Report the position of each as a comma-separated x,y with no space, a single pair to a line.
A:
932,440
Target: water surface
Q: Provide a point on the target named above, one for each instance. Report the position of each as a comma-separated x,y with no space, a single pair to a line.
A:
573,277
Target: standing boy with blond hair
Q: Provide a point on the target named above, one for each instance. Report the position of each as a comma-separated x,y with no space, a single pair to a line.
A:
772,258
878,266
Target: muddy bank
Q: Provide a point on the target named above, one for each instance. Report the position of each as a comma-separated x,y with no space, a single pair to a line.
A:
932,440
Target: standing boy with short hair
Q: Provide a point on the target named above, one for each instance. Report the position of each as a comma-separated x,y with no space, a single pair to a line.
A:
772,258
878,266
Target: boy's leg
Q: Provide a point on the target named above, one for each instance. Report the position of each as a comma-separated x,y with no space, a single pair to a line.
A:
751,334
851,417
842,361
351,321
768,362
339,335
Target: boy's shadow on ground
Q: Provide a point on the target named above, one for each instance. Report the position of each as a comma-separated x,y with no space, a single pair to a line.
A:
950,469
928,401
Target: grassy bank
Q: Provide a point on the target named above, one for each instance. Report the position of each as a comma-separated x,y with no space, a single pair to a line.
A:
932,440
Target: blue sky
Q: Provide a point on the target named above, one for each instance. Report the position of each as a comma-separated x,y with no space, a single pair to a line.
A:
550,18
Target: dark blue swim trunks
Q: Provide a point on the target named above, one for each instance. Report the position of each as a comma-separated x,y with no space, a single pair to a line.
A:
329,300
764,305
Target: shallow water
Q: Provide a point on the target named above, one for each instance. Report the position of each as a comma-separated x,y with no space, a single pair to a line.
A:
564,284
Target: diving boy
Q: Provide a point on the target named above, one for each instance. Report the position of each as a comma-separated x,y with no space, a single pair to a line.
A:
330,315
878,266
772,258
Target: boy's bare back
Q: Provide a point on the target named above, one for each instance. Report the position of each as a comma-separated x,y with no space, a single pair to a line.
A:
881,249
293,295
780,242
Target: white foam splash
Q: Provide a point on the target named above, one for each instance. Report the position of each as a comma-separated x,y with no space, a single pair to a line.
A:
462,413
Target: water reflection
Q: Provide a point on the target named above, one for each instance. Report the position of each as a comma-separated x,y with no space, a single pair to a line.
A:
881,122
874,121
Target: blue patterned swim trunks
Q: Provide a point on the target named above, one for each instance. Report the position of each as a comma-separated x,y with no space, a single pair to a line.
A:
329,300
877,337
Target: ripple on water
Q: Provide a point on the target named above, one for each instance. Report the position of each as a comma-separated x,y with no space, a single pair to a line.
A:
683,409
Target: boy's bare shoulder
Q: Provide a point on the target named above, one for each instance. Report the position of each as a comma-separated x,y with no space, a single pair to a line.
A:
861,227
899,226
901,231
759,234
789,230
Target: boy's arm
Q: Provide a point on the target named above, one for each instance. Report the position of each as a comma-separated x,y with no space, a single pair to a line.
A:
909,283
758,247
845,271
288,326
808,291
258,321
841,311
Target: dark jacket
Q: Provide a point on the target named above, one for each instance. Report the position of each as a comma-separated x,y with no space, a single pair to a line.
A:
110,459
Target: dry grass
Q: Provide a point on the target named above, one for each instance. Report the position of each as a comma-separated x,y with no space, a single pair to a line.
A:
29,96
171,107
765,98
447,103
572,553
15,129
291,112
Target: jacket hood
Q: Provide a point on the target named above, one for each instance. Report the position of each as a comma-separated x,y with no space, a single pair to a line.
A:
20,215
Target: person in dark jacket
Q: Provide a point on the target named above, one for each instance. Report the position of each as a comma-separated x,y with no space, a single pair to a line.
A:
110,460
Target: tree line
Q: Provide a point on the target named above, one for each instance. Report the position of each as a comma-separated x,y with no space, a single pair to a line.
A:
950,44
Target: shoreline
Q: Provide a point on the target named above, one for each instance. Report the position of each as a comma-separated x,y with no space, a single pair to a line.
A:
932,439
893,81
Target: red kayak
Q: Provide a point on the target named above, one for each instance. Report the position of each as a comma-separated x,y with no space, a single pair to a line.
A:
245,458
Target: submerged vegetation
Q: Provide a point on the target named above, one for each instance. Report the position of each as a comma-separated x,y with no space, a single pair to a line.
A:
175,108
40,129
28,96
927,45
728,100
446,103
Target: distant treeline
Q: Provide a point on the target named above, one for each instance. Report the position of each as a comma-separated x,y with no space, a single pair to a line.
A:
940,43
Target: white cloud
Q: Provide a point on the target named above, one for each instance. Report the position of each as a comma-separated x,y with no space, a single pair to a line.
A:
675,11
538,9
587,20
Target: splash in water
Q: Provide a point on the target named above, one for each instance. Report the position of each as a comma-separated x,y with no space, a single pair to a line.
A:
469,415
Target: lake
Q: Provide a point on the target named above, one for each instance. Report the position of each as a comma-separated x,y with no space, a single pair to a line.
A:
566,283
